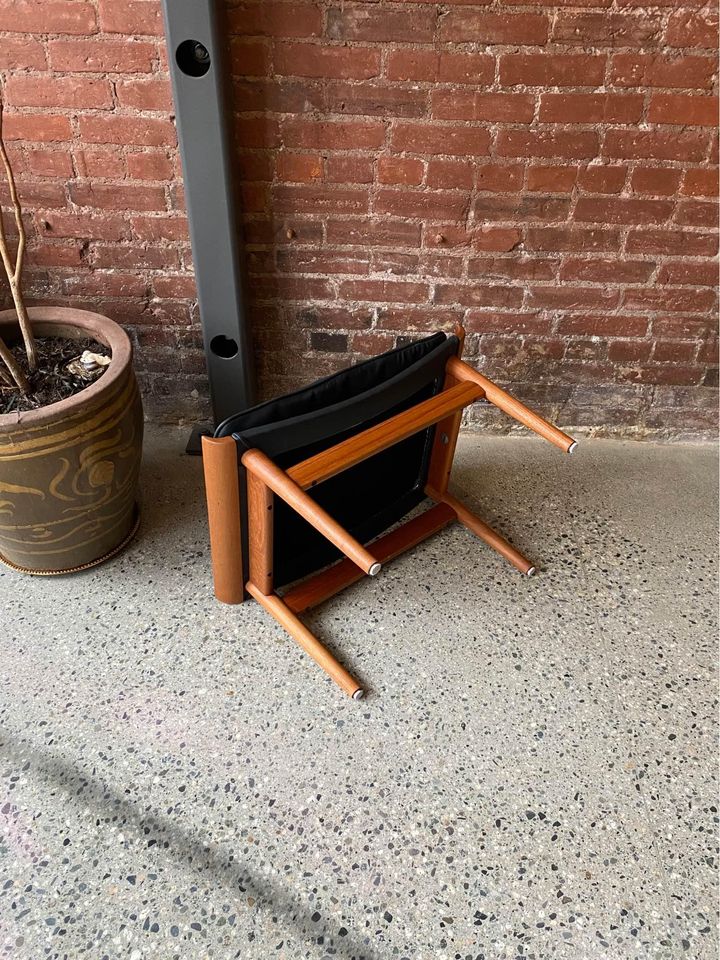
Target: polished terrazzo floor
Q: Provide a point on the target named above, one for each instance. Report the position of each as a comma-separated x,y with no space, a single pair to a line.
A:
532,774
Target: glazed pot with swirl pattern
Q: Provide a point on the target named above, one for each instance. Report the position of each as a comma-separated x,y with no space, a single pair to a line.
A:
69,470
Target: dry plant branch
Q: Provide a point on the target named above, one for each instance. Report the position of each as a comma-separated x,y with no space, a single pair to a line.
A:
14,271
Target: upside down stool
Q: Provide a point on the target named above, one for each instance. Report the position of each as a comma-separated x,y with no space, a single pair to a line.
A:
300,489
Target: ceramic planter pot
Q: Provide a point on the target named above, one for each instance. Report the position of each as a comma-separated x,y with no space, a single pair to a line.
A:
69,471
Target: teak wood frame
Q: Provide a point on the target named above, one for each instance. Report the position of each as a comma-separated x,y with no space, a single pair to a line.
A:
265,480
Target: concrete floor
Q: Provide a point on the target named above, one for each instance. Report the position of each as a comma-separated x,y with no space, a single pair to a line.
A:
532,775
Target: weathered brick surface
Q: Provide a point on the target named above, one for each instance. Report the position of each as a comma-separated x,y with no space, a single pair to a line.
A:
544,172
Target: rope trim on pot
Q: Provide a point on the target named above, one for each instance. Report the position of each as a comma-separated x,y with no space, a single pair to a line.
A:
83,566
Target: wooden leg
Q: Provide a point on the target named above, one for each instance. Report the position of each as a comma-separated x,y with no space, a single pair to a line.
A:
308,641
281,484
330,581
518,411
223,503
485,532
446,434
260,533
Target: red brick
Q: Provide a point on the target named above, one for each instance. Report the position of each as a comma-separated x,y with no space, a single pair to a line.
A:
133,257
478,295
513,268
499,178
603,325
492,321
520,207
57,254
446,67
160,228
23,54
310,60
672,242
249,58
275,19
667,351
145,94
436,140
670,300
349,169
107,284
338,318
467,105
695,213
561,3
47,16
372,344
178,285
709,352
690,28
654,70
299,167
463,25
77,93
39,127
375,22
508,351
442,267
127,130
85,225
375,100
105,164
674,374
572,298
415,204
255,165
700,183
629,351
591,107
496,239
573,145
472,68
601,210
395,170
610,270
149,166
656,145
552,239
292,288
102,56
688,272
682,327
49,163
551,70
135,17
602,179
37,194
683,109
383,291
321,261
655,181
112,196
606,29
551,179
257,132
312,198
332,135
381,233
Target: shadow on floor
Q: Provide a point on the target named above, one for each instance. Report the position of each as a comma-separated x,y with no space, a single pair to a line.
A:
184,847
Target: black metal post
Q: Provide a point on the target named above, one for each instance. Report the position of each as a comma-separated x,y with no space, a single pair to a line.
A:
196,55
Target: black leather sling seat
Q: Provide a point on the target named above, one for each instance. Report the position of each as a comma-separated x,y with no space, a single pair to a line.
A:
374,494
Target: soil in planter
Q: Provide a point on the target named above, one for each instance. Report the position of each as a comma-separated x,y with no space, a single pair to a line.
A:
52,381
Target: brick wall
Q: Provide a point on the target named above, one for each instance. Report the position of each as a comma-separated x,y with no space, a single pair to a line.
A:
543,172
